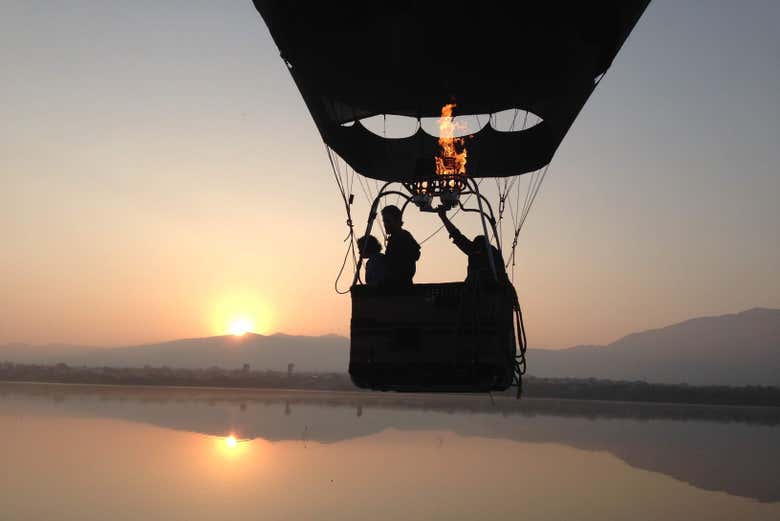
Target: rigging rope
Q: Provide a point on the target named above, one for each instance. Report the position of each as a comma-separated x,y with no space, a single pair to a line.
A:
533,190
520,365
348,200
370,196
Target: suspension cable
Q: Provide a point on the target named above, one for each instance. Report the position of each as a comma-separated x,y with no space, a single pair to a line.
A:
348,199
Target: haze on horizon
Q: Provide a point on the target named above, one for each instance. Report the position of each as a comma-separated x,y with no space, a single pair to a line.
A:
160,178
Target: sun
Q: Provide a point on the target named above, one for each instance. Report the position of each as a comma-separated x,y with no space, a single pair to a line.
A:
231,441
240,326
241,312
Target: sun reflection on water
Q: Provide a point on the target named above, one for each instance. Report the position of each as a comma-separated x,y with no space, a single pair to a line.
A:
232,445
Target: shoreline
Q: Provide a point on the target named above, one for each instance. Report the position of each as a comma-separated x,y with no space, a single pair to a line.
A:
442,403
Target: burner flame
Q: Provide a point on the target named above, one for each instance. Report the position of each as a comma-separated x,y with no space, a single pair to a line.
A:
452,155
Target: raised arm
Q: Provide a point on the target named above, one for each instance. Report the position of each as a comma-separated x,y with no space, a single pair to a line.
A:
458,238
447,223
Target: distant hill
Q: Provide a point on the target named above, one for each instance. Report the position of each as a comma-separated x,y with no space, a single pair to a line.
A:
329,353
736,349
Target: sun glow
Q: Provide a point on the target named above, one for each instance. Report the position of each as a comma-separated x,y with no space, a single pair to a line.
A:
240,312
233,446
240,326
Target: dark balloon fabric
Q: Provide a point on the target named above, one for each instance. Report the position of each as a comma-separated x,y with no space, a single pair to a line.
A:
355,60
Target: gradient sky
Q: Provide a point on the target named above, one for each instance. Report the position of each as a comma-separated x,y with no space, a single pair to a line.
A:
160,176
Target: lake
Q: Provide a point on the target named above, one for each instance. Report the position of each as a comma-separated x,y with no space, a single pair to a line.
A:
74,452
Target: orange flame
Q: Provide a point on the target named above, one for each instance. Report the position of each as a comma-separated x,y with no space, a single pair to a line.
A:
452,157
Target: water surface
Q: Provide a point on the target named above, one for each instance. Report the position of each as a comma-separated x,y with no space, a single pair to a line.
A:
83,452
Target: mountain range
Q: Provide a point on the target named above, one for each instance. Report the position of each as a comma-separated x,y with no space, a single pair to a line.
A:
734,349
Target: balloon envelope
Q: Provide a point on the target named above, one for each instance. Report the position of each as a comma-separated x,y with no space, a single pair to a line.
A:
354,60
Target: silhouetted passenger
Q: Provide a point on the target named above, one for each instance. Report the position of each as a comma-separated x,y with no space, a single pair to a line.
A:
376,266
476,250
402,250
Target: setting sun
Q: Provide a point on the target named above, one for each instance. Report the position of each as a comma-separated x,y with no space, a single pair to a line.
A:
231,441
240,326
240,312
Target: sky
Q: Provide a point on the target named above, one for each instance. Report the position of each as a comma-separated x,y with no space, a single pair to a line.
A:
160,178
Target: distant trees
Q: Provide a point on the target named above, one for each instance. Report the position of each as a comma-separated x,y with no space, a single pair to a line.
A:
562,388
637,391
211,377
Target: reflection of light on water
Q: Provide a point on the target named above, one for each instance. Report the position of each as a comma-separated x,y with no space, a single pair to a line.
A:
232,446
231,441
231,456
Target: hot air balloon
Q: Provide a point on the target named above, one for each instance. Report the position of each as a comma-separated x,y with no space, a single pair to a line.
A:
355,60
